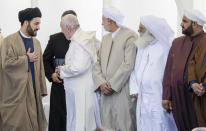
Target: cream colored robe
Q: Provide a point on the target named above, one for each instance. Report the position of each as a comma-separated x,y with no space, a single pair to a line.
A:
115,62
1,40
19,107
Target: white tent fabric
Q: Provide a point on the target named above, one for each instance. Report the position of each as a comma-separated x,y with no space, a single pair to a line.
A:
34,3
133,10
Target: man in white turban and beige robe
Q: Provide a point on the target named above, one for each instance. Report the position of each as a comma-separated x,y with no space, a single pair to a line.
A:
81,101
146,79
111,73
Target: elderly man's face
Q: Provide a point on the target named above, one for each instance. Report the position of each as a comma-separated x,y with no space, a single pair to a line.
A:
186,25
142,29
66,30
62,26
105,23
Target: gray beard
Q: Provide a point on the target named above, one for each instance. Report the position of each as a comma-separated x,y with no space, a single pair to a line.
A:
144,40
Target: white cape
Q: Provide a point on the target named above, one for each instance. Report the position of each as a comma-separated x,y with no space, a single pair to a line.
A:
82,103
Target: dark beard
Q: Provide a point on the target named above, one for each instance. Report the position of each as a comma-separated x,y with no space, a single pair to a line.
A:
30,31
189,31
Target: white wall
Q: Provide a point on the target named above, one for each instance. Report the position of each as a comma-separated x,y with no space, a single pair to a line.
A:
9,9
88,13
200,5
134,9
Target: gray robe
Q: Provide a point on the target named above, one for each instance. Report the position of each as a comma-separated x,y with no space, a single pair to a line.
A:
115,62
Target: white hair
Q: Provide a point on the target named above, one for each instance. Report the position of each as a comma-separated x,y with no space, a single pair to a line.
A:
70,20
144,39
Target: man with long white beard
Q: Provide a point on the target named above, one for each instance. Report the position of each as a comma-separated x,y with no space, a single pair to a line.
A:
146,78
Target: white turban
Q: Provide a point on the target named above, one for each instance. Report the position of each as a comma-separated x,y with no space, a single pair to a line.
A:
159,28
113,14
195,15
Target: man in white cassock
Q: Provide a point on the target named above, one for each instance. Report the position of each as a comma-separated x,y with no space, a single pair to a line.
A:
146,78
81,101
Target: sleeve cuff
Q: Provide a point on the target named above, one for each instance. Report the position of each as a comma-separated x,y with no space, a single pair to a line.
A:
166,93
204,85
28,58
43,95
190,85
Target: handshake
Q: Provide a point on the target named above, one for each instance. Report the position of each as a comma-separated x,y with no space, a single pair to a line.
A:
56,75
57,70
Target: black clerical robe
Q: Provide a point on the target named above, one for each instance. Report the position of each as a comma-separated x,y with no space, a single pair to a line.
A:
53,56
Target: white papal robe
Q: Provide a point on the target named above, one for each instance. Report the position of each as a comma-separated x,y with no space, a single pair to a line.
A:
81,101
146,81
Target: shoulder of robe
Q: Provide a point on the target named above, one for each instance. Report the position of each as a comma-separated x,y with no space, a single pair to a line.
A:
107,35
203,40
178,40
129,33
204,37
11,38
56,35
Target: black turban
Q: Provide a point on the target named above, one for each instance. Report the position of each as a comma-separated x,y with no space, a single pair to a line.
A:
29,14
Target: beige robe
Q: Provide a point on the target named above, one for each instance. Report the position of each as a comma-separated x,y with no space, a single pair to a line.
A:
19,107
115,62
1,40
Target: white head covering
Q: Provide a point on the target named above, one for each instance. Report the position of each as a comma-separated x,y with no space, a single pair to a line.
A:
195,15
113,14
159,28
87,39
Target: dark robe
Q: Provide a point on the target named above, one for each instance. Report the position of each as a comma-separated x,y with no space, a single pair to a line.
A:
175,82
28,43
197,73
53,56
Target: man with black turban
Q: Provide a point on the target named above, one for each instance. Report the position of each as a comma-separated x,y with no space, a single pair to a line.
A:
23,79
